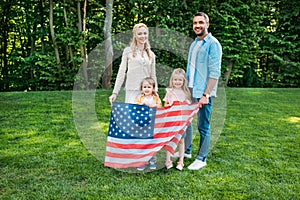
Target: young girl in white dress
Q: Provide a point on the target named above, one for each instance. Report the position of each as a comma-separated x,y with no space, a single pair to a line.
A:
178,91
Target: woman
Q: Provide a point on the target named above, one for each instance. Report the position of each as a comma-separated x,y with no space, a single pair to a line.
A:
138,62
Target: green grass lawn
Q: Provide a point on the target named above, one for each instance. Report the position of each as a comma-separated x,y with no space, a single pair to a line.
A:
255,157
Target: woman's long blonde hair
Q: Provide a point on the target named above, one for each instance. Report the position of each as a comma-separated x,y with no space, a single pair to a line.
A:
134,42
185,88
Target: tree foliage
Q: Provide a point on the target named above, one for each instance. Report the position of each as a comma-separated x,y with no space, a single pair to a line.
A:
260,38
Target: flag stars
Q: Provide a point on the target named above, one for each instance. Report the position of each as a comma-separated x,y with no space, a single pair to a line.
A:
131,121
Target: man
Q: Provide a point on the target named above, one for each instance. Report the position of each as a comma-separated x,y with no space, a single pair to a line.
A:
203,72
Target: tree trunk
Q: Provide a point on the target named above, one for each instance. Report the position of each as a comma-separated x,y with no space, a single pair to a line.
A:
68,48
228,72
4,44
108,46
81,28
53,37
42,25
157,23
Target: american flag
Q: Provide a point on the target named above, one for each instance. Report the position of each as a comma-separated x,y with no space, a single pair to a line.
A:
138,132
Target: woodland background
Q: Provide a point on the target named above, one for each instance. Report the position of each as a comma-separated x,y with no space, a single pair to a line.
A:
45,42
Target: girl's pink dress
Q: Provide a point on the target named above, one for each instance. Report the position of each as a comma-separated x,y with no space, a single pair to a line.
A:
173,94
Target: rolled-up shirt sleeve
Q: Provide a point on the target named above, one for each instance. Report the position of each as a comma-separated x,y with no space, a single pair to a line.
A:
215,59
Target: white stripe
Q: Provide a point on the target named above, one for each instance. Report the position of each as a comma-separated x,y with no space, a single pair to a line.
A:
138,141
132,151
172,145
168,119
171,119
167,129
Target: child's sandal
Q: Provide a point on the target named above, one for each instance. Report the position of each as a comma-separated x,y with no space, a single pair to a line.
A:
179,166
169,164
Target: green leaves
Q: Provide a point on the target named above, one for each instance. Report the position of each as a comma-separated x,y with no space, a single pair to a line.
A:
261,35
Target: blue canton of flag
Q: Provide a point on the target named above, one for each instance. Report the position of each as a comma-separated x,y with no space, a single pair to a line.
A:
129,121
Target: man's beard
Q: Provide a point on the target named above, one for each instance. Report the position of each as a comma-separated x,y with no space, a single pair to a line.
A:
201,33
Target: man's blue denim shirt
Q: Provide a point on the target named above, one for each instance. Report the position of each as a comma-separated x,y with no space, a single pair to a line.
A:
208,64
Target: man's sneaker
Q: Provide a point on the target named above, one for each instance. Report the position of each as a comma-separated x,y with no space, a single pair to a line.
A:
186,155
152,165
197,164
142,168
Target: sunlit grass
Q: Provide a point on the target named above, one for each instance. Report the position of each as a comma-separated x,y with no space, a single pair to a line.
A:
255,157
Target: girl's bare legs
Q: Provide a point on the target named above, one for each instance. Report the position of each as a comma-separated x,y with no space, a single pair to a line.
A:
181,154
168,163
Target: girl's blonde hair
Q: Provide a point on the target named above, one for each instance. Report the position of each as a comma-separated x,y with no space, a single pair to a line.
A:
181,72
134,41
150,81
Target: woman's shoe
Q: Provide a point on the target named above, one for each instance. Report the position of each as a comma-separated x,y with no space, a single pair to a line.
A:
179,166
169,164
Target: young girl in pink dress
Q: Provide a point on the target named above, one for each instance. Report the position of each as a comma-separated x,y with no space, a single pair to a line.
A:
178,91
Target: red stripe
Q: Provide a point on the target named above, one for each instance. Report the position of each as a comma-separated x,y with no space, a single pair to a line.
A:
168,148
120,165
168,124
133,146
128,156
175,140
165,134
173,113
